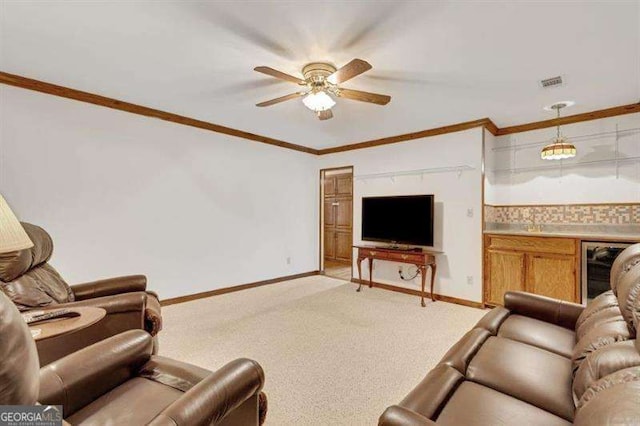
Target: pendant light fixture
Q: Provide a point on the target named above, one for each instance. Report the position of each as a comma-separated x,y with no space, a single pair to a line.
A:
560,148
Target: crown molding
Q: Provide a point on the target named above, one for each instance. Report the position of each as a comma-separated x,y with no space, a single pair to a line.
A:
78,95
569,119
483,122
486,123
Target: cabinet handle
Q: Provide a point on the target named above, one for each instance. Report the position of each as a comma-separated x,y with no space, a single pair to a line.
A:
372,253
404,257
335,204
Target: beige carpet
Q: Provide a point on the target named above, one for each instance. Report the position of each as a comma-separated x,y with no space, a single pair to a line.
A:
331,356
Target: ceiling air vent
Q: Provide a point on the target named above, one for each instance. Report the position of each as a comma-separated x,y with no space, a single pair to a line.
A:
551,82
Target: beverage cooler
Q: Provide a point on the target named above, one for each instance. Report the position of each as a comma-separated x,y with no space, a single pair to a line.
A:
597,258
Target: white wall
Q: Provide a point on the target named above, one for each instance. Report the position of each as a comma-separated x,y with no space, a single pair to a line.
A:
594,183
123,194
458,235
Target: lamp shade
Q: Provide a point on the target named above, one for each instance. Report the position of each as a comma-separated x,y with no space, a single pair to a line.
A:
319,101
559,149
12,235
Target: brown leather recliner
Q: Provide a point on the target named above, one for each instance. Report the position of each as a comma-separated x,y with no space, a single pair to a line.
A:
540,361
118,381
31,283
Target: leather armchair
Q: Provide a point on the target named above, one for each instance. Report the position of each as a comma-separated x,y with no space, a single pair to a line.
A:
120,381
32,283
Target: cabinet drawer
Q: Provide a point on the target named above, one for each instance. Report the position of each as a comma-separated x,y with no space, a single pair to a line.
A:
378,254
406,257
533,244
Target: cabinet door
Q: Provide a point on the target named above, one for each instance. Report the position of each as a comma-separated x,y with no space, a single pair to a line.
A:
330,186
505,271
343,246
330,211
343,184
343,213
552,275
329,244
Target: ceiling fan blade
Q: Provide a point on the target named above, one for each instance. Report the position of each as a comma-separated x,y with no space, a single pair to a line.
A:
325,115
280,75
357,95
281,99
347,72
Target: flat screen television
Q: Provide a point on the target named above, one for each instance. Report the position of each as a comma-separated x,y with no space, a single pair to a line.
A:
406,219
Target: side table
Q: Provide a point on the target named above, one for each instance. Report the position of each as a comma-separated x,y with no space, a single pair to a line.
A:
59,326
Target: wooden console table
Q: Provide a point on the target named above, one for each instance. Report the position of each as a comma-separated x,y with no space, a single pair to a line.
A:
420,258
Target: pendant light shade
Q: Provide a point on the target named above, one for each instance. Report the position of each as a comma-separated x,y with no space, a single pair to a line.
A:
12,235
560,148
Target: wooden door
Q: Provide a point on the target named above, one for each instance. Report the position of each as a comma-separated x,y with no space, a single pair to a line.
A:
505,271
338,217
552,275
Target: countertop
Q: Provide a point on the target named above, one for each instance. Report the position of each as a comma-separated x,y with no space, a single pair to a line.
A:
581,235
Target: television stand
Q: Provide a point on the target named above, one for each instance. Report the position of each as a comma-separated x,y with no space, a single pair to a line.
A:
421,258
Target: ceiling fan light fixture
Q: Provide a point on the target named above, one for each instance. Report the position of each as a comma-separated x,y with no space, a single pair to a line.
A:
321,80
318,101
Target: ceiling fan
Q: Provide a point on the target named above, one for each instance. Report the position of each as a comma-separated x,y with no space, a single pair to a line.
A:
321,80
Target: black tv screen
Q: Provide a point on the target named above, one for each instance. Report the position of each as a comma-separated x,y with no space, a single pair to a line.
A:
406,219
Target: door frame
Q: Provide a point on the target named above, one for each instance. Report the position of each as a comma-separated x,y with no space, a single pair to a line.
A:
321,214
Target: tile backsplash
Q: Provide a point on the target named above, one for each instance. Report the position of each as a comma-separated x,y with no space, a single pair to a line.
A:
583,214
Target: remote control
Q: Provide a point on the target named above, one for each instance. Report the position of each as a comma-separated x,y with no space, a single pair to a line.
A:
62,313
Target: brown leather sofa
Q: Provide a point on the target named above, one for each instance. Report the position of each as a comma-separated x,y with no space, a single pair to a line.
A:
31,283
119,381
540,361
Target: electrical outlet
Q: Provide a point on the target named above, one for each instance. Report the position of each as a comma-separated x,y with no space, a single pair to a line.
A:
470,212
469,280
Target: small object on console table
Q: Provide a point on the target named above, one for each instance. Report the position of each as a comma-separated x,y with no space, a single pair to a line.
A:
421,258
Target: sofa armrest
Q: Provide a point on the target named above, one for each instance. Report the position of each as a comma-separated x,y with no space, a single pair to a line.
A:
173,373
109,286
400,416
554,311
83,376
213,398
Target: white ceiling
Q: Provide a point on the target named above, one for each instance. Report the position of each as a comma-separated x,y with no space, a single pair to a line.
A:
442,62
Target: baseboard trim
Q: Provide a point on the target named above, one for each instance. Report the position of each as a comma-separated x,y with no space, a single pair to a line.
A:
439,297
219,291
